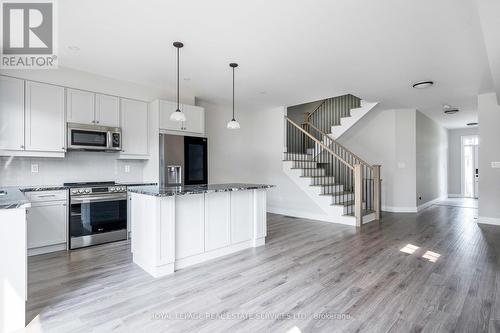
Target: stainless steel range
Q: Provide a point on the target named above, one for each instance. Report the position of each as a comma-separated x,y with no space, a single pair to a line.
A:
97,214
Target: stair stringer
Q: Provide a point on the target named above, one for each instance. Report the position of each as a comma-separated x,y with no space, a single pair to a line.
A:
333,213
347,122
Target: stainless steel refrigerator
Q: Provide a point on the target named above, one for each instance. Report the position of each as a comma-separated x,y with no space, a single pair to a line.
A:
183,160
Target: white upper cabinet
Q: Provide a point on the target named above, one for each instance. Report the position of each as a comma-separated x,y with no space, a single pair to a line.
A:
44,123
107,110
134,125
11,113
195,118
166,109
80,106
85,107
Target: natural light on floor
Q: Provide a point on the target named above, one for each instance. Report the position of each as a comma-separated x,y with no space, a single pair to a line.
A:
409,248
431,256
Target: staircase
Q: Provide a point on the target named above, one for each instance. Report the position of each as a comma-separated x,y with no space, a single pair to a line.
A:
336,115
343,185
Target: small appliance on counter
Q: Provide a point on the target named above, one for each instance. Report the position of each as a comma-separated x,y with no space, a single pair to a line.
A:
183,160
97,213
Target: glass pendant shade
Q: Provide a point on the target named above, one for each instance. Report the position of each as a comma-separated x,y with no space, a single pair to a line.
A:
178,116
233,124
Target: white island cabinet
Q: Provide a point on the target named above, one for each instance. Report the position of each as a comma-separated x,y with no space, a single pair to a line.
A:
174,228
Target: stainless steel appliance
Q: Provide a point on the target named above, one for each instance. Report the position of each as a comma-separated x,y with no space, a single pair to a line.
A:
183,160
93,137
97,213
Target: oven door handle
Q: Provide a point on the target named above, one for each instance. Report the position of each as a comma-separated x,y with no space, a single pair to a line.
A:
98,198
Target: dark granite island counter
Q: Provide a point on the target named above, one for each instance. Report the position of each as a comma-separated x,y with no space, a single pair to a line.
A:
176,227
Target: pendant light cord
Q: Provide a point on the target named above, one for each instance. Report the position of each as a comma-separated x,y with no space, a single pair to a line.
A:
233,93
178,79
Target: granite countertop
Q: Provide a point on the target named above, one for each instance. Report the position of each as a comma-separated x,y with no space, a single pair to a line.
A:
11,197
195,189
135,184
15,194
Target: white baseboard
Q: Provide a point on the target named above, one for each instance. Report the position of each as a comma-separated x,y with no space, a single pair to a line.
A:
296,213
488,220
399,209
430,203
46,249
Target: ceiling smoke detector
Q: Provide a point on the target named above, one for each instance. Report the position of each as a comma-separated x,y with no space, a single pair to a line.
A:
423,84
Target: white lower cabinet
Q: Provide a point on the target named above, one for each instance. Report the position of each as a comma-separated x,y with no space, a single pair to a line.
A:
47,223
189,225
242,216
217,220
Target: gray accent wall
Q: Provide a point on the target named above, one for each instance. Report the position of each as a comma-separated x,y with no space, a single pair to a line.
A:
431,159
455,158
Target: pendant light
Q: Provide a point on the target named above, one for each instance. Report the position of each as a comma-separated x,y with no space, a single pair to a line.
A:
233,124
178,115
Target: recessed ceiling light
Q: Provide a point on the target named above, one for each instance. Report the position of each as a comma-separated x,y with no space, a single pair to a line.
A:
448,109
73,48
423,84
472,124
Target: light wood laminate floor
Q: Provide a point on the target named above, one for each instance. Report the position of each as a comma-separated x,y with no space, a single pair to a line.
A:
435,271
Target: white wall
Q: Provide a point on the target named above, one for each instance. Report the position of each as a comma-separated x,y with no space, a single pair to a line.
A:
80,166
489,151
455,159
387,137
431,159
254,154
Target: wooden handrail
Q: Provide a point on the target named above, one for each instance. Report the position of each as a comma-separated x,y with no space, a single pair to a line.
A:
338,144
321,144
317,108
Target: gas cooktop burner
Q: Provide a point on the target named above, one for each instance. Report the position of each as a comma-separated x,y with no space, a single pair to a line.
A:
89,184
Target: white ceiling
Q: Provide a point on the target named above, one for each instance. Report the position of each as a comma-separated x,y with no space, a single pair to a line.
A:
289,51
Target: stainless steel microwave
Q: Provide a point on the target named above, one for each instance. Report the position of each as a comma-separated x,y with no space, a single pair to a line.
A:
92,137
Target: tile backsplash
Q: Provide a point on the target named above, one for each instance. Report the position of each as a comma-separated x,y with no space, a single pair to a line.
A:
75,167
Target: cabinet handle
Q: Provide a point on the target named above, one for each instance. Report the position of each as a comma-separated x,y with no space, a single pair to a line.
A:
93,121
22,146
97,121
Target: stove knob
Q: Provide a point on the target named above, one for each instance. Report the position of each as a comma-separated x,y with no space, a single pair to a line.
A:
74,191
87,190
80,191
112,189
123,188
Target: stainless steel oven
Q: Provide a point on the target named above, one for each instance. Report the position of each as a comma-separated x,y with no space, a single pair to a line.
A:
97,215
92,137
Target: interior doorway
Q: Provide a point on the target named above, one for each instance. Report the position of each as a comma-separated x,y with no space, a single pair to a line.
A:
470,166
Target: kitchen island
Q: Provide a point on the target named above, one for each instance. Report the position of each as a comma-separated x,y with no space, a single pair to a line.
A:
13,272
175,227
